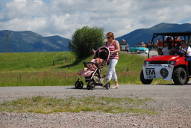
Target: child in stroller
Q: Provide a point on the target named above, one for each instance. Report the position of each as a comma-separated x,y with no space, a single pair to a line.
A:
92,70
90,67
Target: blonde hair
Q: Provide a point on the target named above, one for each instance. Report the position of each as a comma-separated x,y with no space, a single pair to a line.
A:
110,34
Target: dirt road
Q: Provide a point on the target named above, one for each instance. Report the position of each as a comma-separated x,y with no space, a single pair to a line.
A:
172,102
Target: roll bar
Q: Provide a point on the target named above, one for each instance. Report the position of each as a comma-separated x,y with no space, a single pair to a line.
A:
172,34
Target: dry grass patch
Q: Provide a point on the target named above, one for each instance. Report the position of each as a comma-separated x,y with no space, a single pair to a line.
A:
95,104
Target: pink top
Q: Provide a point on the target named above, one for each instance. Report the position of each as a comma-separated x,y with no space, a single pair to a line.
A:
112,47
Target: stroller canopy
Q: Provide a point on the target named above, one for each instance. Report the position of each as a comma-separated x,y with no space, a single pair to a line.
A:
102,53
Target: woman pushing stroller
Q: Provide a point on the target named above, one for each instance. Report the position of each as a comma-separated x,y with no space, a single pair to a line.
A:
109,53
114,48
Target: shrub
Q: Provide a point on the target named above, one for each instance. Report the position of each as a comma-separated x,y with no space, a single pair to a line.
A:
85,39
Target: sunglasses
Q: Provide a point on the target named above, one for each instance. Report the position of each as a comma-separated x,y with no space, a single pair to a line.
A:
109,37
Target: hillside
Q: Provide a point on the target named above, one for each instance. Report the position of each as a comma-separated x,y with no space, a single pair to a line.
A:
145,34
27,41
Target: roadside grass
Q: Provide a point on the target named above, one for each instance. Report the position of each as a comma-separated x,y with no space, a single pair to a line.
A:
53,68
129,67
48,105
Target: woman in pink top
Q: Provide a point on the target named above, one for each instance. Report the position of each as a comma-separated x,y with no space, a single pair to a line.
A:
113,46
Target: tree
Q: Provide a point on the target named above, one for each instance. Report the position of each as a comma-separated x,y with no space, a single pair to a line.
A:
85,39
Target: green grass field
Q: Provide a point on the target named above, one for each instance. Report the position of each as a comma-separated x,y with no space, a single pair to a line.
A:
50,69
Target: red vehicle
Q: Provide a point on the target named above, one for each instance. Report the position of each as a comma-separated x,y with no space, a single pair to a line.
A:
169,67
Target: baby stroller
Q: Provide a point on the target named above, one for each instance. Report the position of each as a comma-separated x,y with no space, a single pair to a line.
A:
92,70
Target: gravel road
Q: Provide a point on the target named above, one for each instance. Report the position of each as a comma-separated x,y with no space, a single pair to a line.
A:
173,104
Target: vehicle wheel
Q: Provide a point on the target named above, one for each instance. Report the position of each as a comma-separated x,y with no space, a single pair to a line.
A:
143,80
90,85
187,80
180,76
79,84
107,86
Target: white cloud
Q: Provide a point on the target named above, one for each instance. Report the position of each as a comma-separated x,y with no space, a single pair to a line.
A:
65,16
35,24
25,8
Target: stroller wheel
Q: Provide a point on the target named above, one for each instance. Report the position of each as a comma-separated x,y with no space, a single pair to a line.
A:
79,84
107,86
90,85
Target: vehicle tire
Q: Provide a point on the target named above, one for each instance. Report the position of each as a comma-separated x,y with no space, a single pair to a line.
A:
107,86
79,84
180,76
143,80
187,80
90,85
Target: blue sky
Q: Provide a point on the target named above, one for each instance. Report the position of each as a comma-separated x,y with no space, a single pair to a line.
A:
63,17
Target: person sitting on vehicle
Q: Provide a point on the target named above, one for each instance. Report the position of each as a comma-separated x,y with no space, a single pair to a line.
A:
169,39
186,49
178,39
165,50
175,49
169,42
159,46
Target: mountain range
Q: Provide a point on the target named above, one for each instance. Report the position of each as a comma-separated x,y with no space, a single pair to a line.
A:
145,34
28,41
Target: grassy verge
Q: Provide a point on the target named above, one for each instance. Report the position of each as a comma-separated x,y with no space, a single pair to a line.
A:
52,68
95,104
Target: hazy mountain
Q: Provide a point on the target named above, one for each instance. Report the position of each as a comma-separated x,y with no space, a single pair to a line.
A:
27,41
145,35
